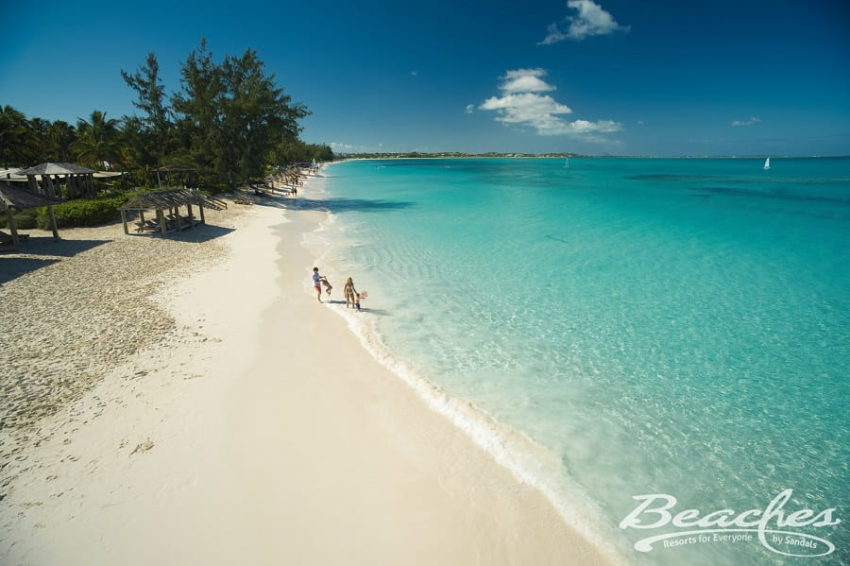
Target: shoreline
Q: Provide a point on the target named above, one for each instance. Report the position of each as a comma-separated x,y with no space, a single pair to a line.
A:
257,442
500,478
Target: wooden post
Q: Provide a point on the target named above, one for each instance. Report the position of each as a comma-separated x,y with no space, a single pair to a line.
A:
12,228
191,220
203,220
53,226
160,216
158,180
49,183
124,221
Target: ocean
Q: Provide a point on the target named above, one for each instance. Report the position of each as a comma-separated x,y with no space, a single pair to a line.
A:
612,328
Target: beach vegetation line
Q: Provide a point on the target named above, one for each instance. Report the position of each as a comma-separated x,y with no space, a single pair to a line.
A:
228,121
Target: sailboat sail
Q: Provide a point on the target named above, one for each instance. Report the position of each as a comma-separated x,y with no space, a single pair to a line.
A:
767,164
567,163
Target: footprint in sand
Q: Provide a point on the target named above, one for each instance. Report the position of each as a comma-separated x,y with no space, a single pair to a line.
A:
143,446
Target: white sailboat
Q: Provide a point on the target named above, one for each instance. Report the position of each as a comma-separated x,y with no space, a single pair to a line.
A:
767,164
567,163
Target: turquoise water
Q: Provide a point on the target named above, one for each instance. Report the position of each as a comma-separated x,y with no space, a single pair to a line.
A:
673,326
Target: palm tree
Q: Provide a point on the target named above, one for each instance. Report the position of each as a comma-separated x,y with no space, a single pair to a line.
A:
37,139
61,136
13,136
97,140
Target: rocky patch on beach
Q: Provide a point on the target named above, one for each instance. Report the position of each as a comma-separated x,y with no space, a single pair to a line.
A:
68,323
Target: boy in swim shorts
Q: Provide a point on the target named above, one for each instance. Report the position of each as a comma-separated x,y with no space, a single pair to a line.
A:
318,281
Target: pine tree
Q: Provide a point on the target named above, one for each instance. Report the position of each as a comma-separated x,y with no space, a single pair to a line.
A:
152,100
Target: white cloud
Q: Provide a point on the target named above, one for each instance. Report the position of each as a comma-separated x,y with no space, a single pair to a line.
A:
521,103
525,80
537,110
470,108
591,19
414,73
751,122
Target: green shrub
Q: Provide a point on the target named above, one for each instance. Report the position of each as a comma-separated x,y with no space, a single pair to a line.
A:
82,212
24,220
92,212
129,194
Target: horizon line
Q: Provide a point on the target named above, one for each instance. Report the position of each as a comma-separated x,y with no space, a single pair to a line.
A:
553,155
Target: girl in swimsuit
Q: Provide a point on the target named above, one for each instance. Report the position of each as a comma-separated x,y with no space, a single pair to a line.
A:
352,297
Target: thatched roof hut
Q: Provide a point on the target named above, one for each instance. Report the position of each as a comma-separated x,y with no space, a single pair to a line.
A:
170,172
11,174
80,179
51,168
170,201
15,199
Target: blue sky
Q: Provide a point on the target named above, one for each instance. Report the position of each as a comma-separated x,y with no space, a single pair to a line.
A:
602,77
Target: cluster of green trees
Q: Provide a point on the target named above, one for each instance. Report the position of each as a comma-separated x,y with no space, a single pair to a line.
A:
229,121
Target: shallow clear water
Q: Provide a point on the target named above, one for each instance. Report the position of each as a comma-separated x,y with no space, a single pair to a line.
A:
670,326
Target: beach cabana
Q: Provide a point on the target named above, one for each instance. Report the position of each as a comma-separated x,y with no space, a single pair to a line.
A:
80,180
107,174
172,172
166,206
15,199
11,174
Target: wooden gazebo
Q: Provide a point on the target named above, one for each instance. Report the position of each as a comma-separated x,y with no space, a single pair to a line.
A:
166,205
80,179
185,174
14,199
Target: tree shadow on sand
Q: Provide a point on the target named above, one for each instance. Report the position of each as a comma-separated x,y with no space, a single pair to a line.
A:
20,261
14,267
47,246
199,234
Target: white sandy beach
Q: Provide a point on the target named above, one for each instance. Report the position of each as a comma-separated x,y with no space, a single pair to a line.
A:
244,423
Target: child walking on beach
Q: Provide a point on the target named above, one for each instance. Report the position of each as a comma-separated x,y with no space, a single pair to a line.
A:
318,281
